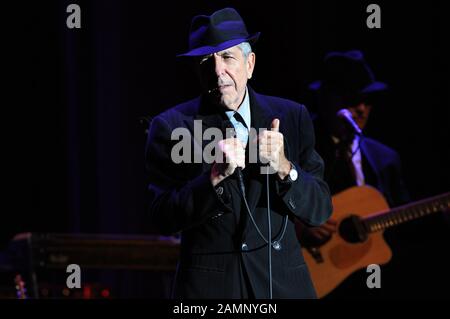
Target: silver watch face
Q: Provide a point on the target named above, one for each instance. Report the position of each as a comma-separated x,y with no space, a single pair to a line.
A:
293,175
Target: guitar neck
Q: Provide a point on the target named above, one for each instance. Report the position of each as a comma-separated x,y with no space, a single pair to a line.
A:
399,215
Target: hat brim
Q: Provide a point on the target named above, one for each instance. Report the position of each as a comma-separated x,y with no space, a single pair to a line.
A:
205,50
373,87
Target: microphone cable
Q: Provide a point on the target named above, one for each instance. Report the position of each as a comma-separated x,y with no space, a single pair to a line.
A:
269,242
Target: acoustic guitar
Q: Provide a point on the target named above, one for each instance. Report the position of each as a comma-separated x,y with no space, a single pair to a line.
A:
362,215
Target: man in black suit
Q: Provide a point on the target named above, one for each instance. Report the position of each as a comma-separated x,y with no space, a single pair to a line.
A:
223,206
349,84
351,159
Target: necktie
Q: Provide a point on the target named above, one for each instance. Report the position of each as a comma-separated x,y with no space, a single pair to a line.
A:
241,128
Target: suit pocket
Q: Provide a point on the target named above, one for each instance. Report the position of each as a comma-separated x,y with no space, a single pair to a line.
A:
203,269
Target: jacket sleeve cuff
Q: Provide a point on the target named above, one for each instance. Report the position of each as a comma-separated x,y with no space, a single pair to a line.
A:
212,199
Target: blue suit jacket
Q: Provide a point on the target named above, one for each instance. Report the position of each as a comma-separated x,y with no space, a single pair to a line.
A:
222,255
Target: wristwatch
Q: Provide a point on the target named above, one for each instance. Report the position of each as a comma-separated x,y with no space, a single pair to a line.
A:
291,177
293,174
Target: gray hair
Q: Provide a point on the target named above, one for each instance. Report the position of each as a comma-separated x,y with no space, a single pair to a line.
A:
245,48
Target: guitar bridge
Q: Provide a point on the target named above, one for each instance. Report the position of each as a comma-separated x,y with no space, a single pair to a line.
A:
316,254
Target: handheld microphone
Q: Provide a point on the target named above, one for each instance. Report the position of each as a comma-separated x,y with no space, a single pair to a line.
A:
347,116
238,170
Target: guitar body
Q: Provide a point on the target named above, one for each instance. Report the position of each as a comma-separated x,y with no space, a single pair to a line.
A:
339,258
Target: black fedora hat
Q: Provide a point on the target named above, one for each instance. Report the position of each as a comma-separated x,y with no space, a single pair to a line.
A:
347,73
219,31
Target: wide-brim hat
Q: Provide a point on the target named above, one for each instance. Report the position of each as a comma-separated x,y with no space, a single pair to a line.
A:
347,73
219,31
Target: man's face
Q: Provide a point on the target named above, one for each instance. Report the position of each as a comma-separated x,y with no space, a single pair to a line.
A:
360,113
224,76
330,104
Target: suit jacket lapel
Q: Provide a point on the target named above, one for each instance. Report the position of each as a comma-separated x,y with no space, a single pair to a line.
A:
210,117
213,117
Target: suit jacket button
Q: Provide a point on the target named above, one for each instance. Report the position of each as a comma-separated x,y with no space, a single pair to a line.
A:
217,215
292,203
244,247
219,190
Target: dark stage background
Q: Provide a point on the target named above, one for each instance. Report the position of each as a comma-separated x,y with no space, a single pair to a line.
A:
75,142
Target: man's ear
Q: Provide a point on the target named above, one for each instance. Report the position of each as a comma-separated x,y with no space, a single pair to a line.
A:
251,59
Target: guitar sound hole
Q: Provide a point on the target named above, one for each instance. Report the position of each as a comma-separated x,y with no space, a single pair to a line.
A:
352,230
